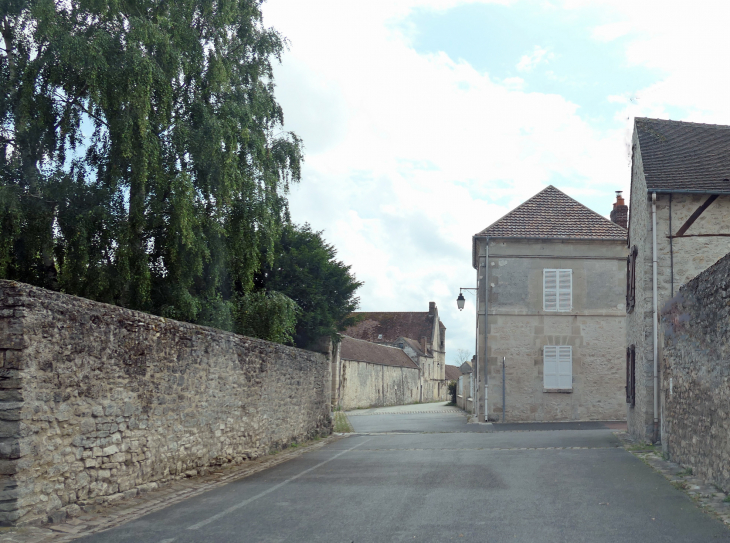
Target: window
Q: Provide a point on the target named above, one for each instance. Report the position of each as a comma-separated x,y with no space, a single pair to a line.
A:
558,367
557,292
631,376
631,279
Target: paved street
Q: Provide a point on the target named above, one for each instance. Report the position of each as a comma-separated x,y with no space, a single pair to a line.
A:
430,476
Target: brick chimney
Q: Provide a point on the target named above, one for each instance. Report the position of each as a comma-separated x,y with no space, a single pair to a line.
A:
431,307
620,212
423,344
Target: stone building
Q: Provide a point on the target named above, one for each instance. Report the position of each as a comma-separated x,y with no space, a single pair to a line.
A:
421,335
550,288
679,205
366,374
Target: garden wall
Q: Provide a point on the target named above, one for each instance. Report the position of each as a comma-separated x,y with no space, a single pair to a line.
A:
98,402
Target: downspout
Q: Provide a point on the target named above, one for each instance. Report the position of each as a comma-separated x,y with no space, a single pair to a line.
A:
655,315
486,324
671,246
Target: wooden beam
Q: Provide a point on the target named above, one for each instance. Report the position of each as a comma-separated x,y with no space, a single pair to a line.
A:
695,215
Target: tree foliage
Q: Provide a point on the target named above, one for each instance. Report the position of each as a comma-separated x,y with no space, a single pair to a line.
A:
305,268
141,155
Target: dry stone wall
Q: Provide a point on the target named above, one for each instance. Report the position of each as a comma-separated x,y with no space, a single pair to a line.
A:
696,375
98,402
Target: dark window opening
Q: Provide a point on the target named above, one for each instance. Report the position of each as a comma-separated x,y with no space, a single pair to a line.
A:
631,279
631,376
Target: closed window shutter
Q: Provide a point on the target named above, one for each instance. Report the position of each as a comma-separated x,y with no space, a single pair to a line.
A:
550,367
565,367
550,290
565,290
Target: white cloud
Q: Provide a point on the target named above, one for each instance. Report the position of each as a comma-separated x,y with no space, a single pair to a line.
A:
611,31
538,55
409,155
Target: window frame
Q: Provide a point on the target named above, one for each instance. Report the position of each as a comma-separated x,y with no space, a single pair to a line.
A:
631,279
559,308
548,357
631,375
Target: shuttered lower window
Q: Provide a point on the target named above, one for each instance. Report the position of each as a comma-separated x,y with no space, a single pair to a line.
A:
557,292
558,367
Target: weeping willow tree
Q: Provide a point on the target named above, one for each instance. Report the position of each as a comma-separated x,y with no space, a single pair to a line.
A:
141,153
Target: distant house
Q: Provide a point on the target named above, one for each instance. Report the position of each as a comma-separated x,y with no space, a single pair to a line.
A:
550,288
421,335
368,374
452,373
679,209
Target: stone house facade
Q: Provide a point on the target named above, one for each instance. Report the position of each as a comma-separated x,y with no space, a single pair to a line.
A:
679,204
550,290
421,335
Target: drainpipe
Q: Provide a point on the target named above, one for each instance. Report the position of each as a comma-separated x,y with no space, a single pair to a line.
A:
483,378
655,308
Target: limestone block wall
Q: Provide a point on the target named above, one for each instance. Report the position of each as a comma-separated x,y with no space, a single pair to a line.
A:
598,371
519,328
463,392
696,375
98,402
681,261
364,384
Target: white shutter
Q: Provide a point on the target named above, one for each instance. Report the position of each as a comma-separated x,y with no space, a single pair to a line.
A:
565,290
550,366
550,290
565,367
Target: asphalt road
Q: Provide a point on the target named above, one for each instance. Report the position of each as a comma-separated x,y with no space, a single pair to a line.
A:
433,480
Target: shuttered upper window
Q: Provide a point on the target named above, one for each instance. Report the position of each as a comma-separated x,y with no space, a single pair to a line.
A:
557,368
557,291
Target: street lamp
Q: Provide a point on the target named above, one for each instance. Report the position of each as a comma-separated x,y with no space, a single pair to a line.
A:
461,300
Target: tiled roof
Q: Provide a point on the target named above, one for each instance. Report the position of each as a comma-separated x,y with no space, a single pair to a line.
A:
365,351
552,214
679,156
387,327
452,373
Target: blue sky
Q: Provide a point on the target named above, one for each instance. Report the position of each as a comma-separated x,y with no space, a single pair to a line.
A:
494,38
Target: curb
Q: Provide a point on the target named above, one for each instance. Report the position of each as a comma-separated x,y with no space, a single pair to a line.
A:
706,495
105,518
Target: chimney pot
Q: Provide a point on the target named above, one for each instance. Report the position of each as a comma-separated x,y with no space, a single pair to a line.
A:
620,212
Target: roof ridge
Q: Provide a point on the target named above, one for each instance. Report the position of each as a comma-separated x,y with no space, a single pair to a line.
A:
516,208
514,212
373,343
709,125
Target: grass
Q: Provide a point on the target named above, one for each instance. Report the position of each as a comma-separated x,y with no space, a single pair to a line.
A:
685,472
342,425
727,499
643,447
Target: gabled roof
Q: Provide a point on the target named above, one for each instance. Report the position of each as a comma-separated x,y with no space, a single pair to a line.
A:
684,157
415,345
387,327
552,214
365,351
452,372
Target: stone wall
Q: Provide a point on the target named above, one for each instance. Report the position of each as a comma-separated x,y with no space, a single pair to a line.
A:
98,402
696,375
677,264
463,392
519,329
364,384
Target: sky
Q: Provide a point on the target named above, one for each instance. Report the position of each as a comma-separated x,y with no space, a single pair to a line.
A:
424,121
